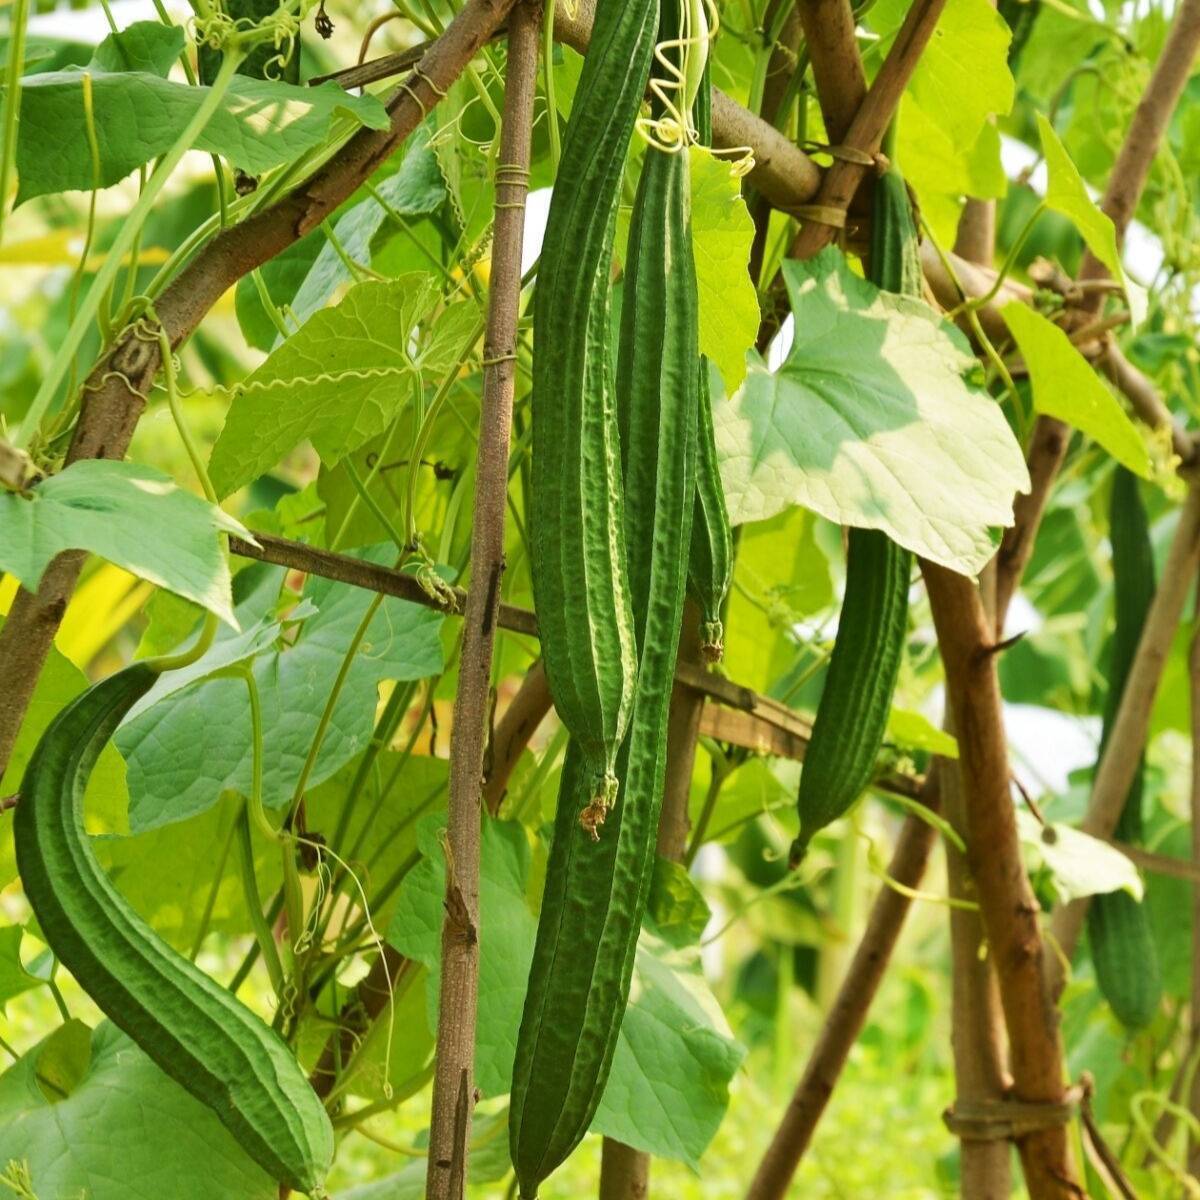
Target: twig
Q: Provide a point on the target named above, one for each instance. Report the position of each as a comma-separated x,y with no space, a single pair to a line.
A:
511,734
870,122
1006,901
977,1016
1123,750
454,1064
836,63
849,1010
1047,448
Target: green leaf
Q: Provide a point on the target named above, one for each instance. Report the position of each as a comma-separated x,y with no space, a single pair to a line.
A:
139,115
1079,864
108,508
912,731
1065,386
414,190
14,978
942,172
675,1055
61,1062
962,77
782,576
508,928
184,751
1066,194
339,381
171,885
147,46
722,232
676,908
125,1132
669,1086
877,419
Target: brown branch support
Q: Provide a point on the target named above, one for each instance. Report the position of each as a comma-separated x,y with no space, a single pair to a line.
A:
1006,901
454,1063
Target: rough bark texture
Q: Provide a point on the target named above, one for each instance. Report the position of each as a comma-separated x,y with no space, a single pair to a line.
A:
1006,901
848,1013
1127,738
454,1066
836,64
870,123
977,1019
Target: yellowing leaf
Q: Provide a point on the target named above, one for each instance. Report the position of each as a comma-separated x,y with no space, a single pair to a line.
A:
721,235
1065,386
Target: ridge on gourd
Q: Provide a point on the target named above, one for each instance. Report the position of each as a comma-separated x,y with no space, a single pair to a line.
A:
196,1031
578,560
1123,951
710,561
595,894
853,712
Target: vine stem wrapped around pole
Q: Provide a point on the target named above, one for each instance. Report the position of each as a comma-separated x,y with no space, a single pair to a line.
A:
453,1081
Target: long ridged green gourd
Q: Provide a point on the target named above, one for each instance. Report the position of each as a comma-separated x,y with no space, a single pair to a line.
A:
853,713
596,893
1123,950
710,565
196,1031
578,561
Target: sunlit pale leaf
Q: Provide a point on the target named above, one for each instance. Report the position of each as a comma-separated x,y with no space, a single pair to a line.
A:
1079,864
878,419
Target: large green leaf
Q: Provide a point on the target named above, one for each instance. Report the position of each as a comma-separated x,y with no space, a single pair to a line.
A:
177,890
1065,386
182,752
147,46
877,419
139,115
340,380
125,1132
722,233
675,1056
108,508
414,190
962,77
